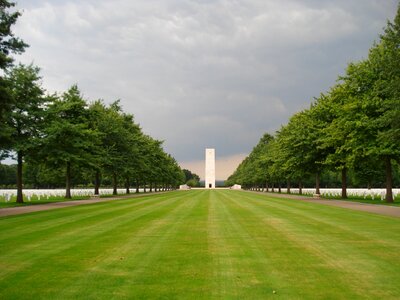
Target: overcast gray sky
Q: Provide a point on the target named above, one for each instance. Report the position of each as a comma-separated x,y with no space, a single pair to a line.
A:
205,73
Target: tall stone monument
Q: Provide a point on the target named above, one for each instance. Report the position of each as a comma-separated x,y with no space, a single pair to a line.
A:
210,168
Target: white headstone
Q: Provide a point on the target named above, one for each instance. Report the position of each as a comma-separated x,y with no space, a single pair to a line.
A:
210,168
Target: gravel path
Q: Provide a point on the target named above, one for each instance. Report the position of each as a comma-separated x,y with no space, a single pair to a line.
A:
392,211
10,211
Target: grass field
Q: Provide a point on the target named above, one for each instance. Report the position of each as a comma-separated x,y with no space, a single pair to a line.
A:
36,201
217,244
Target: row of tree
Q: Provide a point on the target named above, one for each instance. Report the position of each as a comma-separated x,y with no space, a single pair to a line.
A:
65,133
354,126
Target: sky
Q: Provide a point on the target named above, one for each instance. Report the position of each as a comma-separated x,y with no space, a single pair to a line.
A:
200,73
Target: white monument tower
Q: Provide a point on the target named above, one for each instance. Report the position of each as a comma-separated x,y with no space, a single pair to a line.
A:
210,168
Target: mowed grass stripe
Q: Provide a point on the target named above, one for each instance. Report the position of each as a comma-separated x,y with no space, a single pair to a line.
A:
241,266
147,264
70,222
363,263
216,244
287,256
91,239
361,224
277,259
45,219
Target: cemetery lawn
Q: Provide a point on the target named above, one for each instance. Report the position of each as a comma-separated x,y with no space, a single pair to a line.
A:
369,201
200,244
35,201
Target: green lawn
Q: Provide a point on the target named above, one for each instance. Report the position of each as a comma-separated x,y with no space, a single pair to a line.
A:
201,244
35,200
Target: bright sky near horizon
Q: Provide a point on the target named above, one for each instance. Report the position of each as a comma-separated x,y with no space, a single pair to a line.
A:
201,73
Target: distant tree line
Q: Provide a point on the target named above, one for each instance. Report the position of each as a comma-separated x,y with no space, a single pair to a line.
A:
65,135
354,129
191,179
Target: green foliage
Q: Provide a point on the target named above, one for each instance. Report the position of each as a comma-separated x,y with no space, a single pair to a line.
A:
189,175
254,169
23,121
68,140
193,182
9,44
191,179
67,136
8,175
354,126
126,153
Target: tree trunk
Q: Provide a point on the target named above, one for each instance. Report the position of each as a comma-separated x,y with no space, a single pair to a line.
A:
300,188
267,187
279,188
68,181
151,187
127,185
155,187
97,183
20,197
344,183
137,186
273,188
288,186
317,183
144,187
389,180
115,183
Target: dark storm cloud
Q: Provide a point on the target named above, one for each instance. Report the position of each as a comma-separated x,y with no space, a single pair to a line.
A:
201,73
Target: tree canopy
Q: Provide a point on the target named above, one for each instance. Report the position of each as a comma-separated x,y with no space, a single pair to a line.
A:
9,44
354,126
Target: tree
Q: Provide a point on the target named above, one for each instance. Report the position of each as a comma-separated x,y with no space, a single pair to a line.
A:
118,136
301,145
329,110
192,182
9,44
68,140
287,158
25,117
191,179
253,171
385,61
354,126
374,103
260,161
120,144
